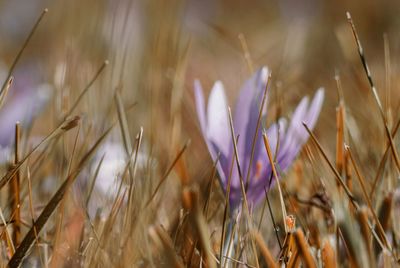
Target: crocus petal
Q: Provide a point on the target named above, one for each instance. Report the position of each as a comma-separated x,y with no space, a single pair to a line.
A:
248,103
295,124
272,134
299,135
310,118
213,144
246,114
216,132
315,108
200,106
217,119
257,192
258,186
261,162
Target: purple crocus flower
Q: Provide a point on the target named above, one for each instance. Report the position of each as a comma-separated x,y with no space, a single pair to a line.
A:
214,125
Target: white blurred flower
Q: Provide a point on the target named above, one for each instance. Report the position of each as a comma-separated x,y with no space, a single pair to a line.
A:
112,167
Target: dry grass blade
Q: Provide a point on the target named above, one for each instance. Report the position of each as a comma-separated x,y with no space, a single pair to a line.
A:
374,92
93,180
25,44
268,148
85,90
105,236
30,237
354,247
236,154
56,257
276,229
9,240
210,188
204,238
139,139
340,137
31,210
361,180
233,230
348,232
328,255
388,75
242,187
15,189
384,214
287,248
123,124
109,224
161,238
294,261
362,218
65,126
347,171
246,52
165,176
385,211
126,138
337,175
253,144
226,207
129,218
132,172
269,260
303,247
383,161
364,62
4,93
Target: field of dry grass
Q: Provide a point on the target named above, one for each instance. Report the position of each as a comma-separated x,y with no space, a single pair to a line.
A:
119,148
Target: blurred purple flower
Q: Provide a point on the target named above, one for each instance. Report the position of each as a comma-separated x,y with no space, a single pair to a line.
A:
25,100
216,132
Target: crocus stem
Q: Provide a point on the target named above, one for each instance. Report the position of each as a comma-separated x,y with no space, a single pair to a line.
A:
228,247
230,242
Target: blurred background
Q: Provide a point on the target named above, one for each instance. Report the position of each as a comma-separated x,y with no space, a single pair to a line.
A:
155,49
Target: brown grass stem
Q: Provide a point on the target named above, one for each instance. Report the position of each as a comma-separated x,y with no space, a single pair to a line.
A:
19,54
269,260
304,249
374,91
268,149
15,189
30,237
86,89
166,174
245,204
368,200
61,129
335,172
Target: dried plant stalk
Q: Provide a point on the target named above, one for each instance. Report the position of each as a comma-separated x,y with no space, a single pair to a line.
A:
60,130
268,149
304,249
15,190
3,94
159,235
30,237
269,260
362,217
340,138
328,255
